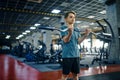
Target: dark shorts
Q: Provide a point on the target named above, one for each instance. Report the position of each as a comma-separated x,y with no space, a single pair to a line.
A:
71,65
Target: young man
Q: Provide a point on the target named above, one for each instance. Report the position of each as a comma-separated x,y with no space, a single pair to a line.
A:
70,52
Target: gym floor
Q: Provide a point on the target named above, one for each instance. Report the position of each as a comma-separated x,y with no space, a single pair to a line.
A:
12,69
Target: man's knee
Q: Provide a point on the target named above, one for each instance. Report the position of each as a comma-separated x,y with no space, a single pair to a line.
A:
64,77
75,76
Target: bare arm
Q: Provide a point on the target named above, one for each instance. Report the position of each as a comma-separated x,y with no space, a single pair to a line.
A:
87,31
68,37
81,39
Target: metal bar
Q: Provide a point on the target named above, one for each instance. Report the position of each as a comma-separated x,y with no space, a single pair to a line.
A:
110,27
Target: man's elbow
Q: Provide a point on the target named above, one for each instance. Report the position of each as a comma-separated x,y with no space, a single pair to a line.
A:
66,39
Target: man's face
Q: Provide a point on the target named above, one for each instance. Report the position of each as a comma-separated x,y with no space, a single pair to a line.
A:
70,19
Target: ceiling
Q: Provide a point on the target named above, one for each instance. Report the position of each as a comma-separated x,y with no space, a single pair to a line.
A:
16,16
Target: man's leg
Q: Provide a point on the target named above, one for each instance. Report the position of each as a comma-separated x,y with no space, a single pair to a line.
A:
76,68
64,77
75,76
67,64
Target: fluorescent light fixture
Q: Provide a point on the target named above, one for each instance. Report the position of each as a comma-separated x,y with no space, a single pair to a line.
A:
103,12
20,36
90,16
24,33
7,37
77,21
37,24
27,31
32,28
46,18
92,23
55,11
17,38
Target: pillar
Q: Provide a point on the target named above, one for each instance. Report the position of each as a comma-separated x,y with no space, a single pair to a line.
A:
113,16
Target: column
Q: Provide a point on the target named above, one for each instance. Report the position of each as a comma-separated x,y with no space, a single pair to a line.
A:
113,16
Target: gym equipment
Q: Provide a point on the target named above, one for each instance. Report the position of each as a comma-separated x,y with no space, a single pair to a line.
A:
103,36
61,30
53,28
40,55
56,56
18,50
106,38
37,55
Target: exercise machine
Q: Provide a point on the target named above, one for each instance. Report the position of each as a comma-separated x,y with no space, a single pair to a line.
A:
106,38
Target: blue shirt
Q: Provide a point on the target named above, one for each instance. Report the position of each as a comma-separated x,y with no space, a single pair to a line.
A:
70,49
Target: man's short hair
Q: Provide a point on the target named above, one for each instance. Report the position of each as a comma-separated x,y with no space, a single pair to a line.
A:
67,13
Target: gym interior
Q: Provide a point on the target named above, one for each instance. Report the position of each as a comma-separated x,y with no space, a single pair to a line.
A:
31,43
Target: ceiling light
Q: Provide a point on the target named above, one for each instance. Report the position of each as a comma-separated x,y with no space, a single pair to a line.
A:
24,33
17,38
20,36
27,31
46,18
77,21
103,12
7,37
90,16
32,28
55,11
92,23
37,24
